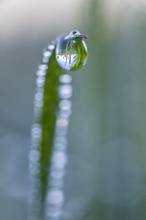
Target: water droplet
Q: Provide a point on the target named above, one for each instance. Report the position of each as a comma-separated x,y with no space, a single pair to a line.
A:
39,95
65,78
62,123
71,51
41,73
59,158
55,197
65,109
47,53
65,105
65,91
43,67
51,46
46,56
34,167
34,155
45,59
60,143
40,81
56,183
57,173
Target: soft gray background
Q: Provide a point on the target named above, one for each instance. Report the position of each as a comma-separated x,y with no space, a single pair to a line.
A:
106,170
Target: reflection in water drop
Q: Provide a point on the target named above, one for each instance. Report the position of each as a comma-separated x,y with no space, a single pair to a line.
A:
66,61
71,51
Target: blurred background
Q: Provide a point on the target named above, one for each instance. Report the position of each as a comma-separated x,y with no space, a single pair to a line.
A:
106,172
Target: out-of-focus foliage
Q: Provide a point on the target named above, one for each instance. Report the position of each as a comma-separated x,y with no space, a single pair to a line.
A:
109,111
106,172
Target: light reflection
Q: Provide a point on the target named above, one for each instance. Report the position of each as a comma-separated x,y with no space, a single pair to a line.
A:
67,60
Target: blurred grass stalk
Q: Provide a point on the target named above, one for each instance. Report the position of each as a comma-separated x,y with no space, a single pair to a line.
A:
46,107
52,109
118,59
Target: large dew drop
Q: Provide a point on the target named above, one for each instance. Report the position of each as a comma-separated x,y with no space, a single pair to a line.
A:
71,51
